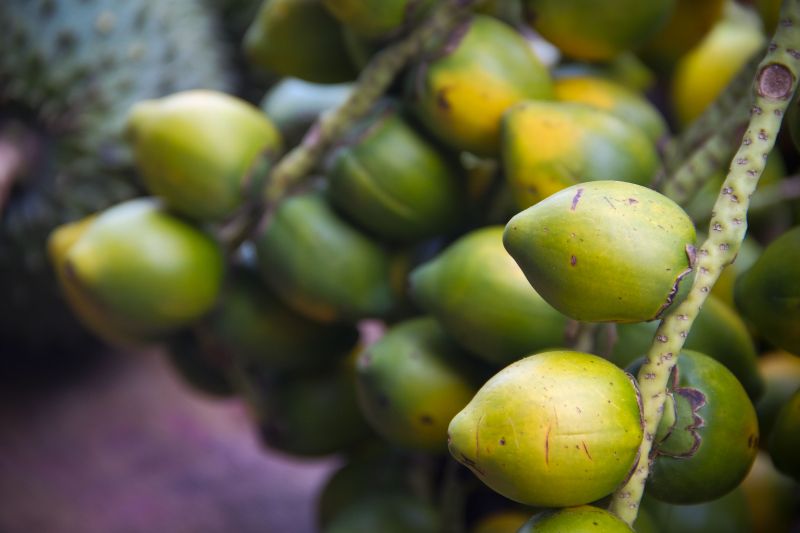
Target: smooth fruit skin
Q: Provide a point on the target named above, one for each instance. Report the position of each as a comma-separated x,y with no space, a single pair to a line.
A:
393,182
726,434
252,322
582,31
460,94
412,382
195,149
768,294
604,251
298,38
502,521
558,429
548,146
784,440
482,299
717,332
135,272
582,519
376,19
728,514
617,99
322,266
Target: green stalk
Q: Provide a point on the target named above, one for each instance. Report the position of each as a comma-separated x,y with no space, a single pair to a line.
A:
371,85
774,85
708,158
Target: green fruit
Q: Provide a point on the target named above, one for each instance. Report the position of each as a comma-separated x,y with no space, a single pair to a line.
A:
201,362
781,372
784,440
387,513
581,30
412,382
293,105
605,251
717,332
768,295
319,56
728,514
393,182
625,104
199,150
706,445
69,72
463,90
548,146
377,19
321,266
310,414
253,323
559,429
482,299
134,273
576,520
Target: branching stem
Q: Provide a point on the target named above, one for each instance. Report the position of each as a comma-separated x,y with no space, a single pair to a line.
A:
775,83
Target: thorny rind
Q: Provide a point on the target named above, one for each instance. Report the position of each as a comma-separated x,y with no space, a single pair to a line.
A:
726,232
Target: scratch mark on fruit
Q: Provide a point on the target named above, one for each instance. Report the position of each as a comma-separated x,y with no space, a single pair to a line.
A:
513,430
576,198
585,449
547,446
609,202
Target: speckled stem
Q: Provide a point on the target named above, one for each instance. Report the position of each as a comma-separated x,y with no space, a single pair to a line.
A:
735,95
371,85
708,159
774,84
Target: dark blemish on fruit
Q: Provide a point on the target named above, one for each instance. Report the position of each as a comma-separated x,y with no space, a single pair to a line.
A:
632,201
503,441
576,198
441,99
586,450
573,260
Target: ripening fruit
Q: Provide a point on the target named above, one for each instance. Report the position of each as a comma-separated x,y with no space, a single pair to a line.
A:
784,440
461,93
198,150
134,273
584,518
605,251
548,146
559,428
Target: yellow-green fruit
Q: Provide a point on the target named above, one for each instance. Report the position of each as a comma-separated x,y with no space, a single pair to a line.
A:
485,68
707,445
251,322
690,21
376,19
584,30
558,429
717,332
298,38
548,146
412,382
582,519
625,104
198,149
705,70
784,440
503,521
482,299
393,182
322,266
768,295
605,251
134,272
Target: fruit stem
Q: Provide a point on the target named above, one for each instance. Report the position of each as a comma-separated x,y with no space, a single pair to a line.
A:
735,95
708,158
371,85
773,87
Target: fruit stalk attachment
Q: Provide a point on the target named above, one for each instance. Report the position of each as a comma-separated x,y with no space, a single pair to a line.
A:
371,85
774,84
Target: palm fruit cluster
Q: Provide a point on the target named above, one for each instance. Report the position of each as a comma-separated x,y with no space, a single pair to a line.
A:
456,298
69,73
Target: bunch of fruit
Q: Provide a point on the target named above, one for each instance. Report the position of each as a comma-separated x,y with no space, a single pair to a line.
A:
473,269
